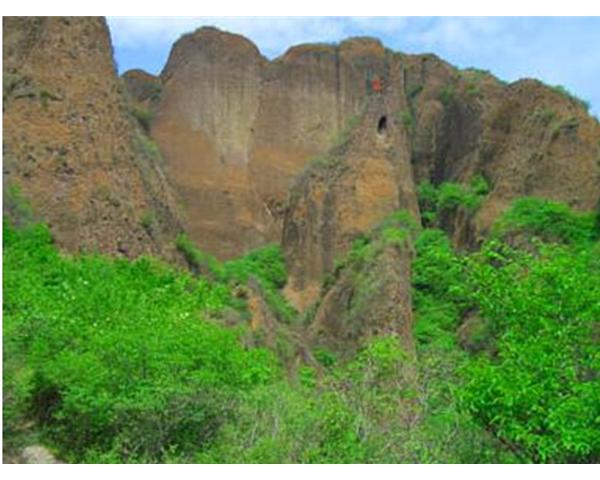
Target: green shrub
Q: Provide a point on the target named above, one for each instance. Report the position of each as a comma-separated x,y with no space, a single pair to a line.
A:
561,90
144,117
345,135
548,220
407,119
538,391
533,386
148,221
265,264
446,95
448,197
199,261
439,289
113,357
479,186
10,82
452,196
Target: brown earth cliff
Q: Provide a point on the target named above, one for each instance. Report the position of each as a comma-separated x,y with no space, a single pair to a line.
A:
71,145
237,130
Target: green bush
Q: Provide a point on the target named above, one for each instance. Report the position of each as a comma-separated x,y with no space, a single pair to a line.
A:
148,221
345,135
538,391
199,261
446,95
113,358
561,90
265,264
144,117
548,220
448,197
535,385
407,119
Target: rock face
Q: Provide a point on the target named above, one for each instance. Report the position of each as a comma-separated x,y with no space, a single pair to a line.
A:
524,138
72,146
144,88
203,125
368,294
349,192
236,130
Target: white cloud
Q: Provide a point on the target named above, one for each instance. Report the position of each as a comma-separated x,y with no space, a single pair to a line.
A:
273,35
557,50
137,31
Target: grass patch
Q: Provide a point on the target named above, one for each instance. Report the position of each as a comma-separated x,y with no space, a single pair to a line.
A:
406,119
561,90
147,147
148,221
446,95
144,117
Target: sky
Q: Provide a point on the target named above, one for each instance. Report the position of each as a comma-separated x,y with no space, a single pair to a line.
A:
557,50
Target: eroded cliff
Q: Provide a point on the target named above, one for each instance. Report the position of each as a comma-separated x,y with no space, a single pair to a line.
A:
237,130
71,145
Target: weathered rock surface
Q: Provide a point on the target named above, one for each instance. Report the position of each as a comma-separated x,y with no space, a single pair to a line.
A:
203,125
237,130
37,454
144,88
367,296
525,138
349,193
71,144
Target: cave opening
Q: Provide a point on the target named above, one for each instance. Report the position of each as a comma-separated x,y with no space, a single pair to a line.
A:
382,125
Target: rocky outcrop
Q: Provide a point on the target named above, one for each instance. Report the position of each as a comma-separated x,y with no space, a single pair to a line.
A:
345,194
37,454
538,142
368,293
237,130
71,144
144,88
525,138
203,125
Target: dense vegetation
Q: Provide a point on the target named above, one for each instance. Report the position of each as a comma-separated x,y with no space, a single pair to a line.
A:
119,361
435,202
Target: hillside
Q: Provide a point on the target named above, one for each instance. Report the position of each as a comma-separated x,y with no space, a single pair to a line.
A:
342,255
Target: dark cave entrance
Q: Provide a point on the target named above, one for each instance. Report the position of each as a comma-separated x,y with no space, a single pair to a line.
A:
382,125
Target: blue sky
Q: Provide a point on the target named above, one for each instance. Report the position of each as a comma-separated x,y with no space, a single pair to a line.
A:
557,50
